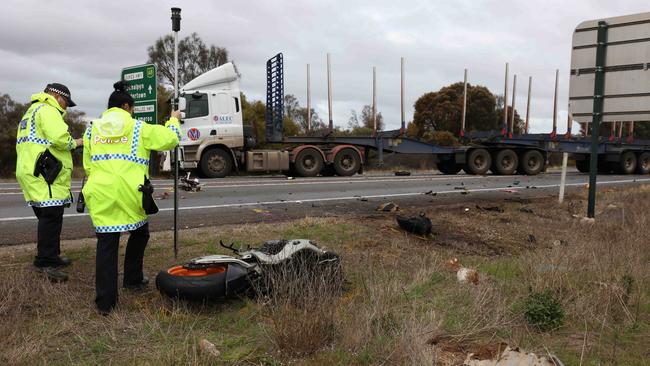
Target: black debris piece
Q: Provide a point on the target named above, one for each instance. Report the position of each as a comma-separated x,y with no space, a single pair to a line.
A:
419,225
402,173
490,208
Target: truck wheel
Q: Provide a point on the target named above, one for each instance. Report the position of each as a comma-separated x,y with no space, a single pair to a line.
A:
583,165
505,162
531,163
309,163
347,162
448,167
216,163
627,164
478,162
643,163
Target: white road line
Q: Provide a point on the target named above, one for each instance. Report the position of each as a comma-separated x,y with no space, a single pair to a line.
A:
347,198
313,182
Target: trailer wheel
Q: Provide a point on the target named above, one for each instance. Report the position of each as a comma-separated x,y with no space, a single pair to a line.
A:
347,162
448,167
531,162
478,162
505,162
216,163
583,165
627,163
309,163
643,163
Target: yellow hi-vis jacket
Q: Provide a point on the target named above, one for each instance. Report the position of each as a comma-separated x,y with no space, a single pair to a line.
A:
116,159
42,127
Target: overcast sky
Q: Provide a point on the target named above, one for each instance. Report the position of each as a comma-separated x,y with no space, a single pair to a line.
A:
85,44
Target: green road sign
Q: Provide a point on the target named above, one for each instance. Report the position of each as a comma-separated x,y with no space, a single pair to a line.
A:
143,87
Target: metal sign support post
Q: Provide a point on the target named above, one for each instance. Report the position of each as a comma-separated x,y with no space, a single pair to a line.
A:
599,91
176,26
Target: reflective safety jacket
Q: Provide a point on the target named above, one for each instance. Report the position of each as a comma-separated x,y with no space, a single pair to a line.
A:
42,127
116,160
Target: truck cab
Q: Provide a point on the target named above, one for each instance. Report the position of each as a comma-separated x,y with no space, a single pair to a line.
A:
212,127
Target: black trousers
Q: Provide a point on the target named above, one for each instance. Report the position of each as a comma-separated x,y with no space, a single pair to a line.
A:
106,264
48,249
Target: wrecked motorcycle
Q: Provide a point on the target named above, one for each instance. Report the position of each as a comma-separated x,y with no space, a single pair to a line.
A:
245,274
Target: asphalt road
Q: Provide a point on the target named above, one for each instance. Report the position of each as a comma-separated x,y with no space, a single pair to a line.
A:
273,198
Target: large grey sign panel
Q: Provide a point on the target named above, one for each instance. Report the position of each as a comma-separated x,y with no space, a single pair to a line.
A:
627,70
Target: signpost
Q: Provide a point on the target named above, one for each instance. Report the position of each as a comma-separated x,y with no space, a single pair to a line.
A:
610,78
143,87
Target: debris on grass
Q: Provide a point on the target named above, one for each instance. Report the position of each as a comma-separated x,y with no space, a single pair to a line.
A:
513,356
531,239
587,220
526,210
463,274
419,225
209,348
388,207
490,208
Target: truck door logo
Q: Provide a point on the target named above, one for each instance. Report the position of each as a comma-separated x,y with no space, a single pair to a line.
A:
222,119
193,134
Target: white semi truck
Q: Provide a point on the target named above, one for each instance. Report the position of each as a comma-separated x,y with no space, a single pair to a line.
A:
215,140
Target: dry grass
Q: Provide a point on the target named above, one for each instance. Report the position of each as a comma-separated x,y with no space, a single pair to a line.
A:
401,305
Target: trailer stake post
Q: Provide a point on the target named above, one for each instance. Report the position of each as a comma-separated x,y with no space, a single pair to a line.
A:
512,115
329,94
374,101
557,79
504,126
402,96
462,120
530,83
599,90
308,101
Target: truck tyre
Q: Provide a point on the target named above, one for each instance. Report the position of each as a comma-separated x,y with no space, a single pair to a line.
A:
309,163
583,165
505,162
531,162
478,162
627,163
347,162
448,167
643,163
216,163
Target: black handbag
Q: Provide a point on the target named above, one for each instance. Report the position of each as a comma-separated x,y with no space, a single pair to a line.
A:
48,166
148,202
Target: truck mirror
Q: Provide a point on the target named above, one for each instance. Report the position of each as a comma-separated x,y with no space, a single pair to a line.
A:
181,104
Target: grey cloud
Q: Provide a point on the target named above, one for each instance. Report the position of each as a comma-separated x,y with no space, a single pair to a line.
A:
85,45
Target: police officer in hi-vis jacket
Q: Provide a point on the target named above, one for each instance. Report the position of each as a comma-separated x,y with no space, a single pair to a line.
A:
44,169
116,161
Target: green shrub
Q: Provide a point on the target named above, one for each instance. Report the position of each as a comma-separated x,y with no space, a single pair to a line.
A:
543,311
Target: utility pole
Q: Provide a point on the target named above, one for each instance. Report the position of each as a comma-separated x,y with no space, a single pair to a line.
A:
176,27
